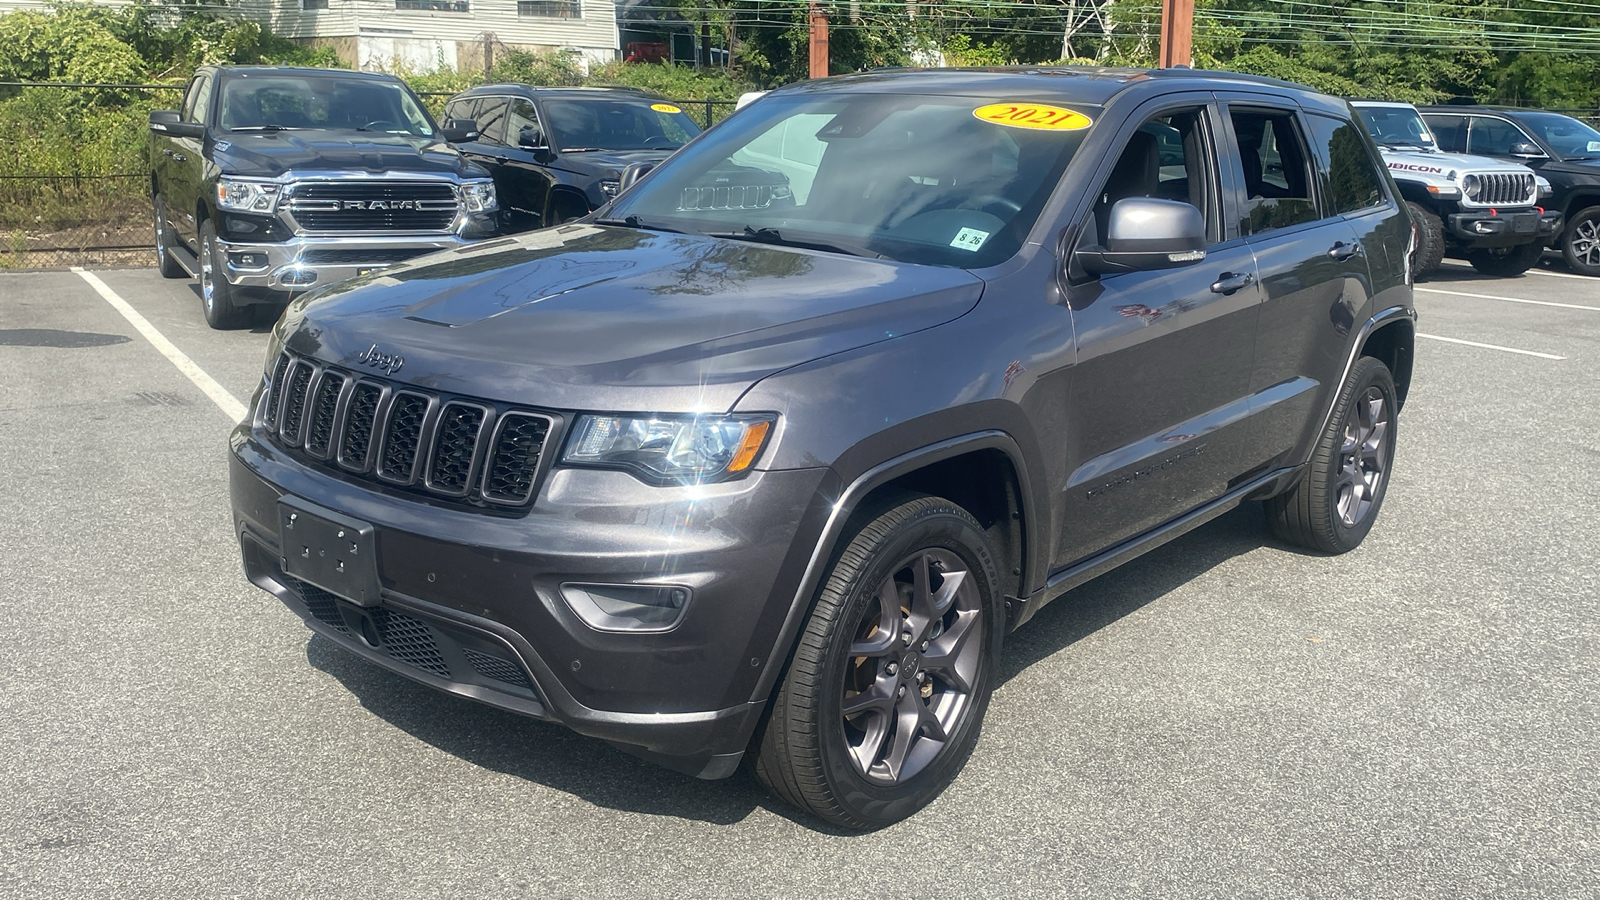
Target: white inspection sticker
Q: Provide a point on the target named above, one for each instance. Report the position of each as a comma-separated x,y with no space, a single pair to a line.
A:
969,239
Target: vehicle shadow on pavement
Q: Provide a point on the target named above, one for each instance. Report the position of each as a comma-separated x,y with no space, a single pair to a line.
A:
540,752
1124,590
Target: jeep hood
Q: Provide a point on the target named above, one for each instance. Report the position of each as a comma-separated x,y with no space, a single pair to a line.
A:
274,154
598,317
1440,164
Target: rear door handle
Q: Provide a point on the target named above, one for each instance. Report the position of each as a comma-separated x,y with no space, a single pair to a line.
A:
1341,250
1232,282
503,160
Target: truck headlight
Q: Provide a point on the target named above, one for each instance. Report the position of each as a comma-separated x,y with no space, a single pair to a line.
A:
247,196
611,188
670,448
479,196
1545,189
1472,187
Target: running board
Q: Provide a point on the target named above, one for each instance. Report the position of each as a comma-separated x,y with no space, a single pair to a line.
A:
1066,579
189,261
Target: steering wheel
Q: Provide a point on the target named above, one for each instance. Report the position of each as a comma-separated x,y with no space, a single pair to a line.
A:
373,125
985,201
657,140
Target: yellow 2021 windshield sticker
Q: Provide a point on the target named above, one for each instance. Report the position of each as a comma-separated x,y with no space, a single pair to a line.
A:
1033,115
665,107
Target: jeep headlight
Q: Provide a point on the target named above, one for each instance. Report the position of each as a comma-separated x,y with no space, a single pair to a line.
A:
247,196
1472,186
479,196
670,448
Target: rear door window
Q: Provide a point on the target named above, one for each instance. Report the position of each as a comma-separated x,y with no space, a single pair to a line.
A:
492,120
1277,174
1450,130
1350,179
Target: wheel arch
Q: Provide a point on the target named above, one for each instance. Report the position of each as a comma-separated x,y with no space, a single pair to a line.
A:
1582,199
986,472
1393,343
564,192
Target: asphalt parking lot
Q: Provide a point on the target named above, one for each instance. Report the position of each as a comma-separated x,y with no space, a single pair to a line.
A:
1224,717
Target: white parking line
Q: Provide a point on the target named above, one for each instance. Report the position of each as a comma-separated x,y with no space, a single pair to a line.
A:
1560,274
1435,337
230,405
1507,299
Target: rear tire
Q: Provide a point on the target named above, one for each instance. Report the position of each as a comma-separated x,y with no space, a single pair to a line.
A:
164,260
217,297
1430,240
1338,498
564,208
1581,243
1506,262
885,694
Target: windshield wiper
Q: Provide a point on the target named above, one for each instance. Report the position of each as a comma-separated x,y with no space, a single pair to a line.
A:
636,222
773,236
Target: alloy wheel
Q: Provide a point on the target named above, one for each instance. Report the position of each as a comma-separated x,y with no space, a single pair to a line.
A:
912,667
1585,242
1363,459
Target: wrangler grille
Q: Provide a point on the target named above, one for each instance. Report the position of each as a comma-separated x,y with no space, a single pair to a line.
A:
372,206
1504,189
452,448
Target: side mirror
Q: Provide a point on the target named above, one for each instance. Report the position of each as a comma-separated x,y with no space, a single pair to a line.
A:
530,138
457,131
1145,234
1527,150
632,174
169,122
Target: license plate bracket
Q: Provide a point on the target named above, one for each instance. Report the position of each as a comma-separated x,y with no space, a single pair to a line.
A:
330,550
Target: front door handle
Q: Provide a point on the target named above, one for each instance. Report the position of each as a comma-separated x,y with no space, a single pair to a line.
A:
1232,282
177,157
1341,250
503,160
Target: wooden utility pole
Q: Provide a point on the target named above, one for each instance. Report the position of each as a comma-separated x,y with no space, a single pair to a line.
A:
819,41
1177,33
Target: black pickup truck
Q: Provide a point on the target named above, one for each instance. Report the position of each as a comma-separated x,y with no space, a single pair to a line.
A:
271,181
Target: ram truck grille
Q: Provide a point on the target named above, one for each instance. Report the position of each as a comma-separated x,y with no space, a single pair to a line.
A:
343,206
462,449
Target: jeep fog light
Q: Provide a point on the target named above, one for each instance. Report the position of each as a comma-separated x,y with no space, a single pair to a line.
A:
626,607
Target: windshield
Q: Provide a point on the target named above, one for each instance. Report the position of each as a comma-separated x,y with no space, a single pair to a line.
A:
617,124
912,178
283,102
1396,126
1567,136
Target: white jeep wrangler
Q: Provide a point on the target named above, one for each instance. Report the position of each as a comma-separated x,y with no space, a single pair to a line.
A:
1475,207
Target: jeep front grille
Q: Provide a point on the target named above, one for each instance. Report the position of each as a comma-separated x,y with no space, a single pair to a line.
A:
336,206
452,448
1504,189
755,196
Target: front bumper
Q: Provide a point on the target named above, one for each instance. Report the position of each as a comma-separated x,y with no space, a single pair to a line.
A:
471,603
303,263
1482,229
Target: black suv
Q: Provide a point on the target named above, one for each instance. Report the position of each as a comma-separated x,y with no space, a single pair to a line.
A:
558,153
274,180
697,481
1563,150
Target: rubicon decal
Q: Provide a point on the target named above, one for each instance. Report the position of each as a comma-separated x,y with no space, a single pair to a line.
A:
1413,167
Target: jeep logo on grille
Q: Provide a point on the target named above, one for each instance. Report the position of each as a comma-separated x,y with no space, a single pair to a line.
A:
378,204
387,363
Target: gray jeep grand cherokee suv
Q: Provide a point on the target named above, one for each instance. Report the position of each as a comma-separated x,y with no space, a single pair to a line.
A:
702,481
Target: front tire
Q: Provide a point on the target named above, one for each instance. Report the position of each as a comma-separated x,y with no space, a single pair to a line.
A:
1337,500
165,262
1581,246
1430,240
217,296
1506,262
886,692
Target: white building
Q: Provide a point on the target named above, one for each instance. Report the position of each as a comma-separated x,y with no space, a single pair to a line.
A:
427,34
